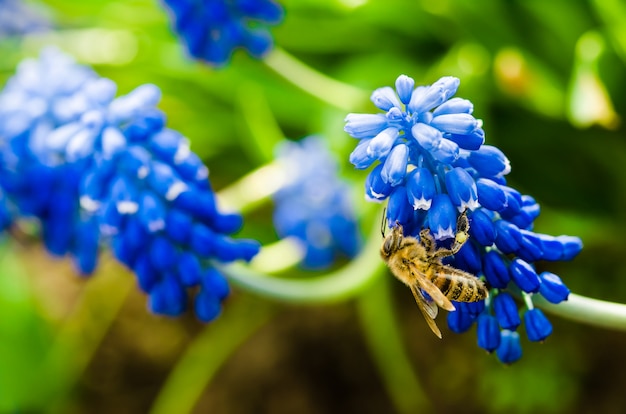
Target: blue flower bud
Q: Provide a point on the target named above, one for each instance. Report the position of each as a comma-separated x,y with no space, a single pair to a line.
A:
404,87
446,151
552,288
394,168
163,254
189,269
507,236
459,321
481,227
360,156
420,188
365,125
147,275
461,189
380,146
538,327
460,124
442,217
495,270
505,309
489,161
398,210
426,136
531,247
488,332
468,259
571,246
425,99
168,297
376,189
524,276
490,194
470,142
510,349
207,306
454,106
385,98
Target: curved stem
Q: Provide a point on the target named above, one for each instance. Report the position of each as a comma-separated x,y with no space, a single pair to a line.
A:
331,91
586,310
381,330
333,287
206,354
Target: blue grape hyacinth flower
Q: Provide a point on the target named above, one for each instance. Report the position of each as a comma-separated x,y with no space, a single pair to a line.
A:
45,94
433,165
315,206
18,18
213,29
140,189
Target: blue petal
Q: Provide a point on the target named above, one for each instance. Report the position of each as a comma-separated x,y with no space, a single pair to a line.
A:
168,297
394,168
213,281
488,332
404,87
538,327
360,156
510,349
202,240
152,212
163,254
571,246
505,309
365,125
460,124
207,306
178,226
446,151
398,208
495,270
461,189
147,275
481,228
380,146
459,321
420,187
490,194
524,276
376,189
468,259
442,217
489,161
189,269
428,98
552,288
385,98
454,106
470,142
426,136
507,236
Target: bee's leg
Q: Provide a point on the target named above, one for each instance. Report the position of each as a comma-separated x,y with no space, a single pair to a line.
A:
428,241
462,234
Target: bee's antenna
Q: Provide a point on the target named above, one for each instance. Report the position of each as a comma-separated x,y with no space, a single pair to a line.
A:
383,222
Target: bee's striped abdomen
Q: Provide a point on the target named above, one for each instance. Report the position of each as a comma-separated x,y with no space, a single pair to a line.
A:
460,286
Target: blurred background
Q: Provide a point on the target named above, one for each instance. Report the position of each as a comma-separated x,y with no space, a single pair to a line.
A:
547,78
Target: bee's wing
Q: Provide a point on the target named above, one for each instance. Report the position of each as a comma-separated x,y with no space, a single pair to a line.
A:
429,309
432,290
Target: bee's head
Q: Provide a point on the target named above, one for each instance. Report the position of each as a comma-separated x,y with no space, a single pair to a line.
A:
392,241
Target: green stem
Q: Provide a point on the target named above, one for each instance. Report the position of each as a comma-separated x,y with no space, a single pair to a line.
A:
207,353
332,287
586,310
331,91
379,324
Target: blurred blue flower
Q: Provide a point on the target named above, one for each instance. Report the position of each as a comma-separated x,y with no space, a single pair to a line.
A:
433,165
19,18
45,94
213,29
113,173
315,205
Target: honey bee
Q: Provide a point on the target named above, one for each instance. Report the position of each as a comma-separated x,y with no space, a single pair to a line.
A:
417,263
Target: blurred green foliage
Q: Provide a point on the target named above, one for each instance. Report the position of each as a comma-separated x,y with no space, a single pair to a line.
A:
546,78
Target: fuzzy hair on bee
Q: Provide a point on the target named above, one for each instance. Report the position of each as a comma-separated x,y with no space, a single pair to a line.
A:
418,264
